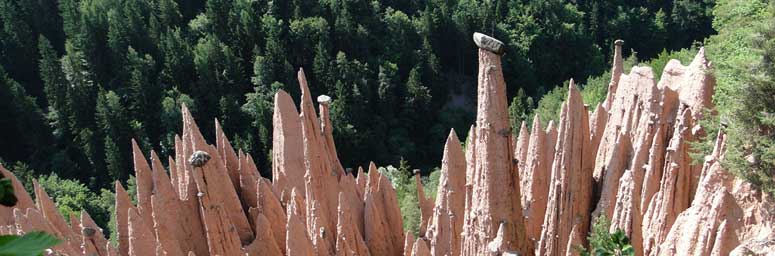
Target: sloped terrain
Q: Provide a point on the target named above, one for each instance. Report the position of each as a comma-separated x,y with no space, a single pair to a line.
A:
626,159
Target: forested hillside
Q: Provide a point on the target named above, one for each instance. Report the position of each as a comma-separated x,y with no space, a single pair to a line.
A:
80,78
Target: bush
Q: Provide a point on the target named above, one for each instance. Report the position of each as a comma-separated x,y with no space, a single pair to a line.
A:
406,193
751,129
604,243
550,104
72,196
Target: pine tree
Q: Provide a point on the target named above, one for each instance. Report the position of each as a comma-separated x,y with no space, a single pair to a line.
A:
54,83
178,60
112,120
24,135
145,94
19,42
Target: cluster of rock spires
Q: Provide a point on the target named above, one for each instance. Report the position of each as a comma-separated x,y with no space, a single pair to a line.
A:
536,194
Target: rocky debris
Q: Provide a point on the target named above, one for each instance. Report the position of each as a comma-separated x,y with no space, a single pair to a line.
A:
627,159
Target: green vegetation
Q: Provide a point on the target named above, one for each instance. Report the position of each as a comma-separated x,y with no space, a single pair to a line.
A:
80,78
72,197
743,54
406,193
604,243
30,244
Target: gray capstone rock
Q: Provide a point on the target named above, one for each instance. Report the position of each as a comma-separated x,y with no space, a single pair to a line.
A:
88,231
199,158
489,43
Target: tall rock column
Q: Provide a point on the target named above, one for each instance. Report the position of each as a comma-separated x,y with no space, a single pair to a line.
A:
321,177
287,147
535,182
495,193
446,222
616,72
570,187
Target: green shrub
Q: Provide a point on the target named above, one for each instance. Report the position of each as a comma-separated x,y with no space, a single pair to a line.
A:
406,193
431,183
72,196
751,128
658,64
550,104
604,243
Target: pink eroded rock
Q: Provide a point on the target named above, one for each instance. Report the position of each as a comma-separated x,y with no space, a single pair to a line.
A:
383,226
92,235
635,144
23,199
123,203
597,124
349,241
616,73
633,114
265,243
495,195
141,239
626,215
271,208
321,176
447,220
615,163
144,183
229,156
51,213
408,244
166,216
535,182
426,205
328,133
287,148
216,194
520,148
353,198
673,196
420,248
297,241
248,179
33,220
224,237
570,191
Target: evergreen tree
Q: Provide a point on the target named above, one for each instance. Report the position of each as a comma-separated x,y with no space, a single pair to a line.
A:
54,83
20,117
112,120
